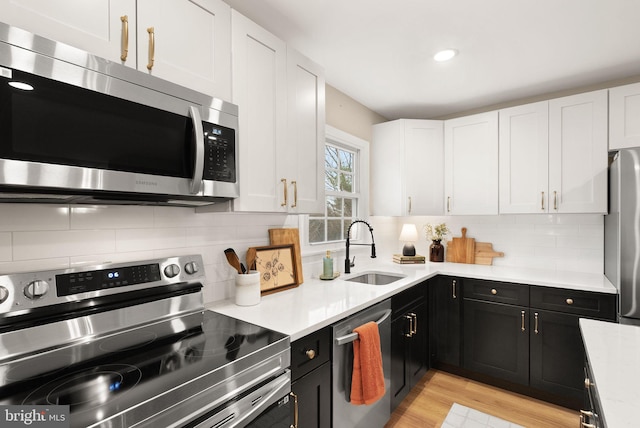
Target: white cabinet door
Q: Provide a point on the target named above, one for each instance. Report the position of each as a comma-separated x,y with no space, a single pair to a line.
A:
624,116
306,123
524,159
94,26
423,167
407,168
191,43
260,89
471,164
578,153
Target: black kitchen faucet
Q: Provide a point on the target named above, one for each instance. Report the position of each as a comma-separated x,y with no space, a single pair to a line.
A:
348,264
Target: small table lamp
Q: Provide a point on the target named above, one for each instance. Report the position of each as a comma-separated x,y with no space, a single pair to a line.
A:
409,235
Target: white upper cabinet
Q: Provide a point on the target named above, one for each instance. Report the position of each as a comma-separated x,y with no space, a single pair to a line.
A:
407,164
281,95
471,164
624,116
189,44
578,153
524,159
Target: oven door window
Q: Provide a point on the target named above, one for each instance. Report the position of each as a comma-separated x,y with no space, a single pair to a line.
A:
63,124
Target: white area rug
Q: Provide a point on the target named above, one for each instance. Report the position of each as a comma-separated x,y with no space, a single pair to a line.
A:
464,417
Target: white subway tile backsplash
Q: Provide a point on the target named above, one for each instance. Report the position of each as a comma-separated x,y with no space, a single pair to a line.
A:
5,247
150,239
24,217
50,244
111,217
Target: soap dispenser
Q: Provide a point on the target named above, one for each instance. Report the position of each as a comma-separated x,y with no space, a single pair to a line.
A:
327,266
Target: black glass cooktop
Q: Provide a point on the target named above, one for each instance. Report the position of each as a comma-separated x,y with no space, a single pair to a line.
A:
104,376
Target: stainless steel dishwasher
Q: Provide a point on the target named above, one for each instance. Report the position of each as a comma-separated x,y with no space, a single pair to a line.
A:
345,414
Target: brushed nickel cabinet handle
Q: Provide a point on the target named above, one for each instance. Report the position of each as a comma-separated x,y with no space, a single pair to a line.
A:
453,289
295,193
542,201
414,329
410,319
448,203
555,200
124,38
535,327
409,204
522,321
152,47
494,291
284,182
295,410
569,301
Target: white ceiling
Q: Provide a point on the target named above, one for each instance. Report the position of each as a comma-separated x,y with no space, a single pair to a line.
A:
379,52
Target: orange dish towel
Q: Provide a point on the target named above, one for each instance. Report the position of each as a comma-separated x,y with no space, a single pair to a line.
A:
367,381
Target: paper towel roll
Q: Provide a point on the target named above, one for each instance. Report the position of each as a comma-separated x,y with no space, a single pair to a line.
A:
248,288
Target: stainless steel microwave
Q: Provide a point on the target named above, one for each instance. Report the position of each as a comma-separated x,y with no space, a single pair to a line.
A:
76,128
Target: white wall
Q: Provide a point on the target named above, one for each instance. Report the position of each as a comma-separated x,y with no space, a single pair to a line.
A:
562,242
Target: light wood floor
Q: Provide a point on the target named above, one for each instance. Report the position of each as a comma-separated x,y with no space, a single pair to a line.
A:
428,403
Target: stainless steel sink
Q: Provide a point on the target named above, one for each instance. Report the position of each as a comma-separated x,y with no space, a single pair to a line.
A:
375,278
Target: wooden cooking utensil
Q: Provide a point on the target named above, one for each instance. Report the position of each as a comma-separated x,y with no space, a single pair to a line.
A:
251,259
233,259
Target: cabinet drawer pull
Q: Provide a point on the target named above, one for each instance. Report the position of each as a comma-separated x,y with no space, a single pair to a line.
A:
410,330
569,301
310,353
453,289
414,329
494,291
587,383
295,410
542,201
409,204
295,194
555,200
448,203
152,47
522,321
284,183
535,327
124,38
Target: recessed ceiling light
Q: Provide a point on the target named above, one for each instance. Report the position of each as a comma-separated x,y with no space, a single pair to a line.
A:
445,55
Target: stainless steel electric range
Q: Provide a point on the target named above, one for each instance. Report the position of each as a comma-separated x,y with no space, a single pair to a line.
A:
131,345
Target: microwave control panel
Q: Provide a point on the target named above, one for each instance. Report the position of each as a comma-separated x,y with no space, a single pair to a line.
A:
219,153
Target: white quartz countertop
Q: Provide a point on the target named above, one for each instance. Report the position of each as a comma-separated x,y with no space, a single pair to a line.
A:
613,351
317,303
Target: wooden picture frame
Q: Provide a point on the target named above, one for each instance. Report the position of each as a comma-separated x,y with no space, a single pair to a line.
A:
277,267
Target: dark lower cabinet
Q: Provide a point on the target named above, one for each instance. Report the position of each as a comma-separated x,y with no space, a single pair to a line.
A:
311,378
445,321
496,340
557,354
409,342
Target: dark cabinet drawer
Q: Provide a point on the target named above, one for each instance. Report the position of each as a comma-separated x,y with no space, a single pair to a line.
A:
583,303
498,292
310,352
408,297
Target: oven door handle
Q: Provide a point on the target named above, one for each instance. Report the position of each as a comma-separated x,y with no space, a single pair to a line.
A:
347,338
198,135
252,405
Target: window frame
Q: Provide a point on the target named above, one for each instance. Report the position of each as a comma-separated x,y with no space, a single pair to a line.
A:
361,183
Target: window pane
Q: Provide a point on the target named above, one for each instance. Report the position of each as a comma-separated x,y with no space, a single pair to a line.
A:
348,208
316,230
331,157
334,230
334,206
331,180
346,182
347,223
346,161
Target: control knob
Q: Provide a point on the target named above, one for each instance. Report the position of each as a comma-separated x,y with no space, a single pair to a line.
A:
4,294
172,270
191,268
36,289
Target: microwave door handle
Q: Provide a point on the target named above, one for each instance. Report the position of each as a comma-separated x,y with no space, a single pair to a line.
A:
198,134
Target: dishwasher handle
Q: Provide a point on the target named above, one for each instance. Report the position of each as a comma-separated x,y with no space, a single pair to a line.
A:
348,338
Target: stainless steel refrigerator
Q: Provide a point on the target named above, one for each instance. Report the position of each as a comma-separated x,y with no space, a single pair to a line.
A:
622,233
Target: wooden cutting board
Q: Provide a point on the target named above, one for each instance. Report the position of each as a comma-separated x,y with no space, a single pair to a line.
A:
485,253
289,236
461,250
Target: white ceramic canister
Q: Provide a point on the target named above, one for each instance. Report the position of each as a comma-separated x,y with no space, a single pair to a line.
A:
248,288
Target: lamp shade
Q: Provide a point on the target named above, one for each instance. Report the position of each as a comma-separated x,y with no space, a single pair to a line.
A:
409,233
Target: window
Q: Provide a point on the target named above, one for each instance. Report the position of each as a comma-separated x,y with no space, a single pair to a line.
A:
346,187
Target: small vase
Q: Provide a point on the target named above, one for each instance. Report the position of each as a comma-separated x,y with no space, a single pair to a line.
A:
436,251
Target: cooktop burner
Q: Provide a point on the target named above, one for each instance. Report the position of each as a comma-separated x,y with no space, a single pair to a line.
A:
101,377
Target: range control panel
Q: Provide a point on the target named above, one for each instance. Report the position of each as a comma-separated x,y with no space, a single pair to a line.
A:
38,289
